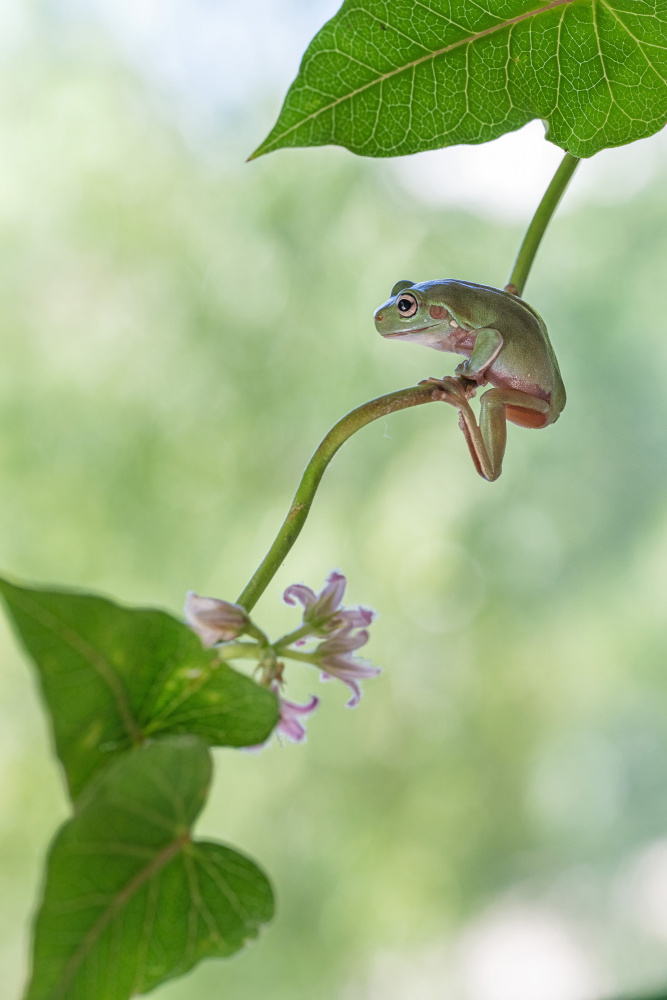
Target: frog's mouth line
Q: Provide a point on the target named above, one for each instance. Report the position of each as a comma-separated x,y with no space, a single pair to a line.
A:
404,333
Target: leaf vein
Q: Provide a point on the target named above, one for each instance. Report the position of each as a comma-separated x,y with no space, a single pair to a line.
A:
412,64
116,906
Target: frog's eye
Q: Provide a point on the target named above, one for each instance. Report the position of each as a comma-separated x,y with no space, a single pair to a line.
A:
407,305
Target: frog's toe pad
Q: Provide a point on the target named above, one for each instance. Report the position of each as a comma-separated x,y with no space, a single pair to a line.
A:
447,389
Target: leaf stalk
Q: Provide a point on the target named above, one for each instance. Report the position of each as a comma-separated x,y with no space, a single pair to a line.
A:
539,223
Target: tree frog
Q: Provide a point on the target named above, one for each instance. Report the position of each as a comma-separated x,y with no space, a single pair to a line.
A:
505,342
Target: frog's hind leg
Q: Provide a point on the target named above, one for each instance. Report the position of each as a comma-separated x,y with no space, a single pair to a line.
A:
496,407
472,445
523,417
486,440
456,391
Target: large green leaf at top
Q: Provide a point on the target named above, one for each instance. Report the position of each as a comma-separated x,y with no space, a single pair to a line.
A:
130,899
112,676
389,77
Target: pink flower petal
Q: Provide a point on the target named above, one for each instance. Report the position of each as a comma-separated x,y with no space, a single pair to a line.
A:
349,670
343,641
329,598
347,667
358,617
289,723
352,684
299,592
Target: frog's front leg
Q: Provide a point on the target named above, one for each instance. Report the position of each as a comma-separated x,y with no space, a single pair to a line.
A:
487,439
485,351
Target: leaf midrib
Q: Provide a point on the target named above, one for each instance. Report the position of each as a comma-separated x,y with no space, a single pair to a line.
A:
412,65
94,657
161,860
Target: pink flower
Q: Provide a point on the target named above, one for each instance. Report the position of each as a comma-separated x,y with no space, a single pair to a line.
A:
319,605
323,611
214,620
333,656
290,723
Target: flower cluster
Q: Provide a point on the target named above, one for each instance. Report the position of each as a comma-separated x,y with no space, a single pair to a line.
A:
346,629
343,631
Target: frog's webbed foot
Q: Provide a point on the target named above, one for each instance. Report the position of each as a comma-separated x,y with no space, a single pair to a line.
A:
465,371
455,390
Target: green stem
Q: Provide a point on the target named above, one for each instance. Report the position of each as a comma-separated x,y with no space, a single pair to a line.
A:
300,633
298,512
292,654
540,221
256,633
240,651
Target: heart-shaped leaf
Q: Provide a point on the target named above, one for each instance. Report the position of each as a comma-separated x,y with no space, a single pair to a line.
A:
130,899
389,77
112,676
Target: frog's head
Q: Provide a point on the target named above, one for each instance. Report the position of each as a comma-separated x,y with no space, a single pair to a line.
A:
411,313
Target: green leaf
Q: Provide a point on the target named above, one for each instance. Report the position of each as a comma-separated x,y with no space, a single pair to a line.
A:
112,676
130,900
389,77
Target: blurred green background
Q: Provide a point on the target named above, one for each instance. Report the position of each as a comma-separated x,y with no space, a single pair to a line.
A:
178,330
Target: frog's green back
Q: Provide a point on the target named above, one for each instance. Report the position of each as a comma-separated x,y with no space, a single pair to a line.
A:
526,340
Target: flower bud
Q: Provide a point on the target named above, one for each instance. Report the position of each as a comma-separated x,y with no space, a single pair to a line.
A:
214,620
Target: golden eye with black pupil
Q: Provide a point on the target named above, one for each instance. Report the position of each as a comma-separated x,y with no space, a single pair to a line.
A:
407,306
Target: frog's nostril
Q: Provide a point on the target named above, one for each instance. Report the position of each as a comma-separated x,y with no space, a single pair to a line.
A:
379,317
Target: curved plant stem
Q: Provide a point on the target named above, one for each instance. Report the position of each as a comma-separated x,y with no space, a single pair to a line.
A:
413,396
540,221
298,512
